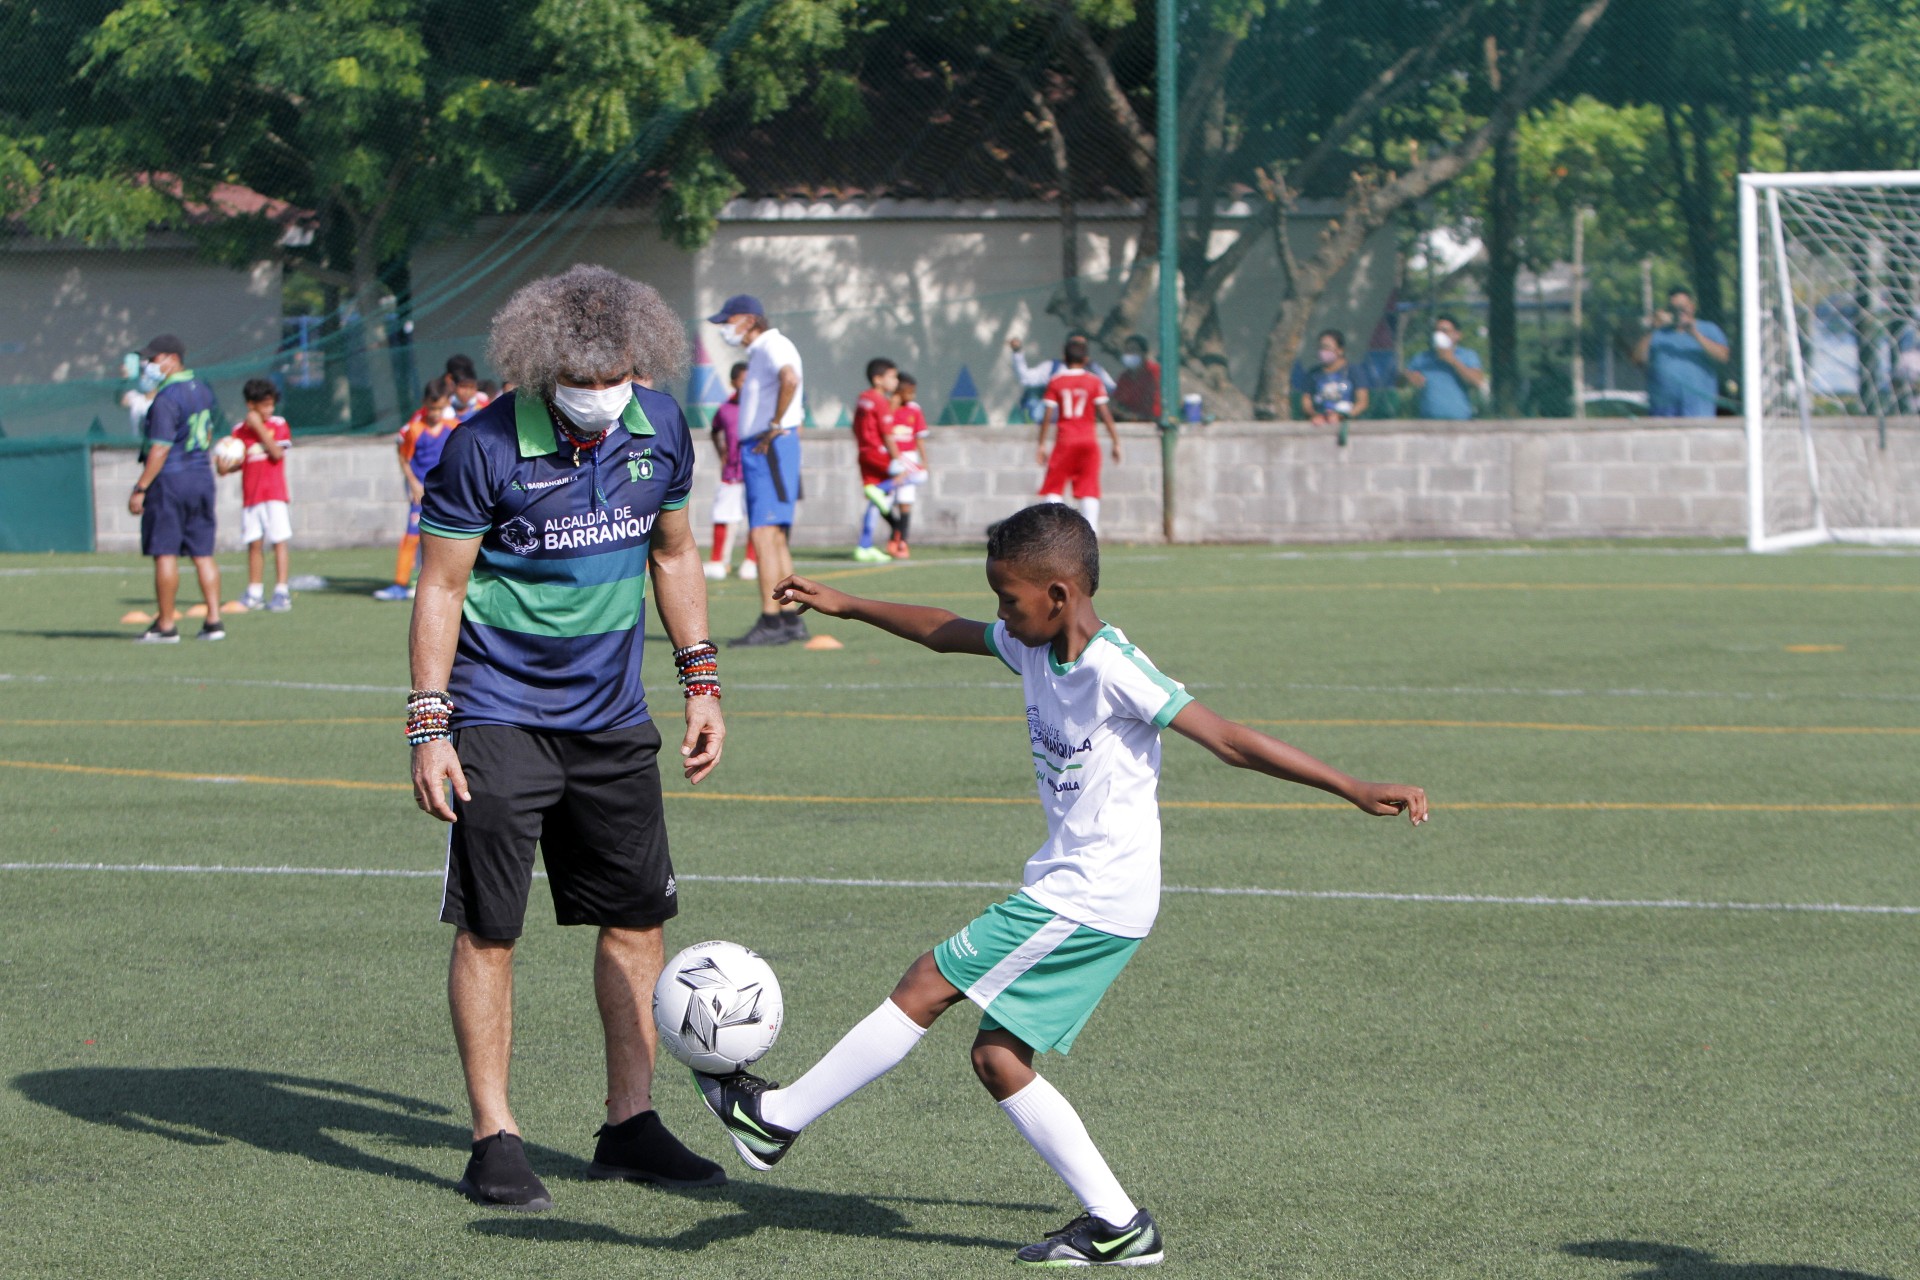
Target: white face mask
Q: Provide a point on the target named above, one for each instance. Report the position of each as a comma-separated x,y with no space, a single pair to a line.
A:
592,411
151,375
732,336
1132,359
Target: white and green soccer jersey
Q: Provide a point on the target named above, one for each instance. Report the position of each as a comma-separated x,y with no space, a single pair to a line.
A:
1094,731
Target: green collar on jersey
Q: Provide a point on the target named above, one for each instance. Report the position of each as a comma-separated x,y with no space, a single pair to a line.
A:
1061,668
539,436
184,375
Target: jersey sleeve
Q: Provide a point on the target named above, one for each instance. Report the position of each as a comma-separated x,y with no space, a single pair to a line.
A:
680,483
165,419
1137,689
1005,647
1052,394
460,491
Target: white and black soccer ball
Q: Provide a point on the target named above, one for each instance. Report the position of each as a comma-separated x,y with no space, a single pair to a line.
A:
717,1006
229,454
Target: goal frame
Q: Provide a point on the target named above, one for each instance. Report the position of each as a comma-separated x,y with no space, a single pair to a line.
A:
1758,190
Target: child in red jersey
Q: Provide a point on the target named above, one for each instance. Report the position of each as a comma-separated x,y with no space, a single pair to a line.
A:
872,431
1075,398
906,441
264,514
419,444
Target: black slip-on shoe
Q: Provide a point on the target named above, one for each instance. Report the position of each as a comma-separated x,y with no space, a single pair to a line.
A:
641,1149
498,1175
767,629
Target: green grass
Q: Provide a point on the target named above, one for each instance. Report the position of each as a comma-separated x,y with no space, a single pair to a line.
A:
253,1075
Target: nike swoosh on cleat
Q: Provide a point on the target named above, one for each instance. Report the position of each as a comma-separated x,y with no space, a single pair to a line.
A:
1111,1245
747,1120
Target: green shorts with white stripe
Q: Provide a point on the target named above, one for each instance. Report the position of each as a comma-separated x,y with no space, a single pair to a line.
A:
1034,974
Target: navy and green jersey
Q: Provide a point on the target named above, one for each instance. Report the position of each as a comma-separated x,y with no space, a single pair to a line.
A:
551,634
183,417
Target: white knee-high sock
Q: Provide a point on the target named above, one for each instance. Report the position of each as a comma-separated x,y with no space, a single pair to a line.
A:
1090,508
1049,1122
864,1054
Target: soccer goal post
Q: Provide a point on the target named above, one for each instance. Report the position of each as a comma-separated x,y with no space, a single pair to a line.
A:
1830,341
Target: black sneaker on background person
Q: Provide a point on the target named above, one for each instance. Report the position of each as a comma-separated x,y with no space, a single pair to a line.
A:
212,631
498,1174
768,628
735,1102
156,634
1089,1242
640,1149
796,629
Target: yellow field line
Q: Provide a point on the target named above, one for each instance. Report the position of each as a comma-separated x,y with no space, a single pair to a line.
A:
1846,588
1256,806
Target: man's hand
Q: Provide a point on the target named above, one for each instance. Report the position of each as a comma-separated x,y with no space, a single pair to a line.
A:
434,766
1116,449
1662,319
416,492
764,441
1384,799
811,595
1040,454
700,749
1013,344
136,502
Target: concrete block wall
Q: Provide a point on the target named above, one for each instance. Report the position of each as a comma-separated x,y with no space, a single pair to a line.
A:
1237,482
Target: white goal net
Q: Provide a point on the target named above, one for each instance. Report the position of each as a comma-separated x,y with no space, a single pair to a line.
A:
1830,276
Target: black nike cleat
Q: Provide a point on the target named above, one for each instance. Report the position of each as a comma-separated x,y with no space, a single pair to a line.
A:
641,1149
735,1102
498,1175
767,629
1089,1242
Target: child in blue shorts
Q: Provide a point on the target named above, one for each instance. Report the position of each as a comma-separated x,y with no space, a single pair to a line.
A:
1038,963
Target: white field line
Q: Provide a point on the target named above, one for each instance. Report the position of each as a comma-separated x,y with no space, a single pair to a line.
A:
853,882
899,686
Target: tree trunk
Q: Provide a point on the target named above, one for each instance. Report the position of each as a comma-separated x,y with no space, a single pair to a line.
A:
1693,177
1503,271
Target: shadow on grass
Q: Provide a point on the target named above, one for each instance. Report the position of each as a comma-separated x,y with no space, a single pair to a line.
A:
760,1207
125,634
290,1115
1677,1262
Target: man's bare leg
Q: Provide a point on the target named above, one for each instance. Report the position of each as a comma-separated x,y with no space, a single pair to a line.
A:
770,549
626,964
208,572
166,590
480,991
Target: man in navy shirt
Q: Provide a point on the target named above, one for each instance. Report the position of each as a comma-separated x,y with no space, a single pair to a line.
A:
174,495
540,526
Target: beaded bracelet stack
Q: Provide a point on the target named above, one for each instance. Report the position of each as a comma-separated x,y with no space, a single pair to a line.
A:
429,711
699,667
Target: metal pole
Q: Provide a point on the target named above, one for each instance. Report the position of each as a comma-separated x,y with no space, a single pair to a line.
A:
1579,336
1166,136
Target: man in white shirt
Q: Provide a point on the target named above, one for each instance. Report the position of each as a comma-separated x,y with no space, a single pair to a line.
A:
770,416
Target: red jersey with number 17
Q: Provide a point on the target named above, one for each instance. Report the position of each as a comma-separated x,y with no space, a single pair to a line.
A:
1074,394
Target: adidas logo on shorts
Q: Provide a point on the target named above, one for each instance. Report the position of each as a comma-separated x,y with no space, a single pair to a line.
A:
671,887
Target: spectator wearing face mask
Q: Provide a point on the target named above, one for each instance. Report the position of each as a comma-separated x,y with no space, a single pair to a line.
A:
1136,395
1447,375
1333,394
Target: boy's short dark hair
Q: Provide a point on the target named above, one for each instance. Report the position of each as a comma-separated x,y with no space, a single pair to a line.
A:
436,389
1136,342
739,367
460,369
258,389
879,365
908,380
1339,338
1076,350
1050,539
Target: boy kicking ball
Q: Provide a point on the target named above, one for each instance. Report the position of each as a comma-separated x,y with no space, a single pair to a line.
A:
1039,962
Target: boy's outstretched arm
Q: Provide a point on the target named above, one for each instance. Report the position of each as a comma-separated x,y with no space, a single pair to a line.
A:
1245,748
937,629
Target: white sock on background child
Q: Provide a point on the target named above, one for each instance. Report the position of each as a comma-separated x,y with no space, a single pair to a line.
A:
1090,508
1046,1119
864,1054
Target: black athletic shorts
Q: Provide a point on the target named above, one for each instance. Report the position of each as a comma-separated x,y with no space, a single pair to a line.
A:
177,518
592,803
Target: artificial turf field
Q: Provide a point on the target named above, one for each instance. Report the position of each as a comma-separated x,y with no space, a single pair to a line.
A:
1604,1066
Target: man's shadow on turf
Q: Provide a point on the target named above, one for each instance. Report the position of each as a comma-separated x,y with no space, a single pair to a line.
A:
301,1116
1678,1262
289,1115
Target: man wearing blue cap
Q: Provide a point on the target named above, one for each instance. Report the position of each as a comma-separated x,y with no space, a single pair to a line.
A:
770,415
